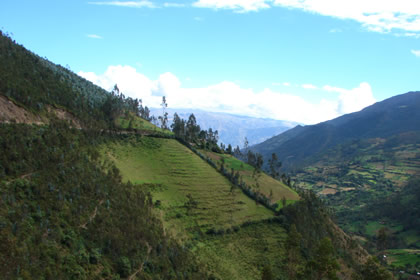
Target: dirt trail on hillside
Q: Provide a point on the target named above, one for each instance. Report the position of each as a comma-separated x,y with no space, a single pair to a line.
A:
92,216
140,269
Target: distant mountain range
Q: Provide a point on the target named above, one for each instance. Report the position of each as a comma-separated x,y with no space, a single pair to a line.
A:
303,144
233,128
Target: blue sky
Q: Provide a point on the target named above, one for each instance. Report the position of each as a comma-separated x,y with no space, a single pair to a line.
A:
298,60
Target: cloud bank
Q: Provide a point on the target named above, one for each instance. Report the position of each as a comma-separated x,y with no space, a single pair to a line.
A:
229,97
375,15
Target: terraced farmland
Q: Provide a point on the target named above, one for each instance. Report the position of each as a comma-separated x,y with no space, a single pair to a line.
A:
191,194
261,182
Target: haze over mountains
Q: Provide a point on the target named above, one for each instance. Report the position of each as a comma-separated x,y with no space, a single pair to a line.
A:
367,166
233,128
384,119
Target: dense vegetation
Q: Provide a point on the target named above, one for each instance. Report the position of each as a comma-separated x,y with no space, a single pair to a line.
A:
115,199
67,215
36,83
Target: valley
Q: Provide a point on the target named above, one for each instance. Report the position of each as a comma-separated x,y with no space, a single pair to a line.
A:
96,191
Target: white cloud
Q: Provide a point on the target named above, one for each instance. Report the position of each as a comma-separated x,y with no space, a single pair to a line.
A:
353,100
309,86
129,4
376,15
241,6
229,97
94,36
173,5
286,84
416,52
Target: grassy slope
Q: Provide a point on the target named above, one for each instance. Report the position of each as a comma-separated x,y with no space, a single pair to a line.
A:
180,172
129,119
176,172
266,183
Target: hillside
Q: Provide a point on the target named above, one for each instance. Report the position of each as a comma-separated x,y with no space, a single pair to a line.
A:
360,163
302,145
208,214
233,128
89,190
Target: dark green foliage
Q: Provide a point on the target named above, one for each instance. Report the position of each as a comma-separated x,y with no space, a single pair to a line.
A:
294,264
189,132
36,83
371,270
267,274
65,214
323,264
274,165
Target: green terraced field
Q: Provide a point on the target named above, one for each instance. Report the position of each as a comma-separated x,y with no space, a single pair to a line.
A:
402,257
172,172
261,182
244,249
179,173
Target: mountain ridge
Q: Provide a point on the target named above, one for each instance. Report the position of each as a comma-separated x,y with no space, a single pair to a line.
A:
377,120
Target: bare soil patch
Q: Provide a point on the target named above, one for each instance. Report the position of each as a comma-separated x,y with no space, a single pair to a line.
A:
11,113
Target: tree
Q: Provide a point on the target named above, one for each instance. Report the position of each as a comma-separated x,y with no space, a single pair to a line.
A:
246,143
178,126
323,265
164,118
372,270
284,201
193,129
267,274
275,165
294,265
382,239
229,149
237,152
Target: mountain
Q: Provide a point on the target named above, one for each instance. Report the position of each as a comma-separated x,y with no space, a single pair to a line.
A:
89,190
366,165
300,145
233,128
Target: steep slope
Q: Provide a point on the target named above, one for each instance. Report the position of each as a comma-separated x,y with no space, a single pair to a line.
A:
302,145
258,182
363,163
183,178
65,212
40,86
233,128
221,225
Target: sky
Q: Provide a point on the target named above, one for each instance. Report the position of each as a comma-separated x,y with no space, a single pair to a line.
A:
298,60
